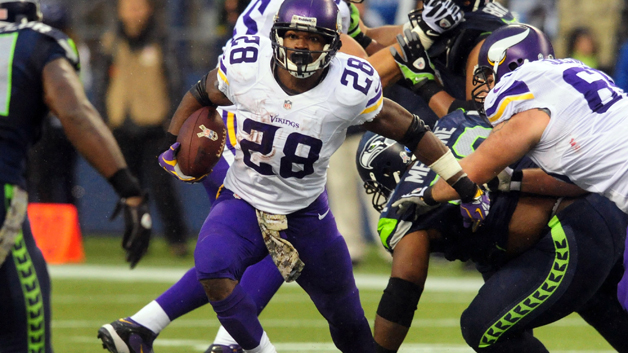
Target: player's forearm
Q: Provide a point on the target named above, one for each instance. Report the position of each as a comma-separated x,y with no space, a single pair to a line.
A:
93,140
386,67
384,35
187,106
536,181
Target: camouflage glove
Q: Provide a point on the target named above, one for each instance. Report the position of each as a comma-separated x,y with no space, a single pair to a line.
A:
413,61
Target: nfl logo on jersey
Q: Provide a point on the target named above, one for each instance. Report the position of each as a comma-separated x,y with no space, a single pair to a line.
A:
287,105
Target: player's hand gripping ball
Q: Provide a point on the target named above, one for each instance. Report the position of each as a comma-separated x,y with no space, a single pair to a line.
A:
199,146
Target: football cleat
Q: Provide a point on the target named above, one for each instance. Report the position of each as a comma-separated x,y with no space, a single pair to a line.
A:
126,336
220,348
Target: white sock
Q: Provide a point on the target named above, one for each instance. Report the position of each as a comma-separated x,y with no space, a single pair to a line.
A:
223,337
264,346
153,317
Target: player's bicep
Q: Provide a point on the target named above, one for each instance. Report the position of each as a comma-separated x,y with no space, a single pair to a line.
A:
63,90
507,143
392,121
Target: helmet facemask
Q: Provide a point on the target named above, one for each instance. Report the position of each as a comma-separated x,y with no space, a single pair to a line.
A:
300,62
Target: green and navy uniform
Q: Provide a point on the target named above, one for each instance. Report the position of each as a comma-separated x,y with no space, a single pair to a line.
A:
575,266
25,49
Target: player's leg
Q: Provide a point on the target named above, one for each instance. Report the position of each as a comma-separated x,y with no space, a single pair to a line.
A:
605,314
545,283
229,242
24,293
328,276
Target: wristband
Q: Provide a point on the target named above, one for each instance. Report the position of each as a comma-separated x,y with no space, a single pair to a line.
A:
168,141
446,166
125,184
427,90
363,40
515,180
467,189
428,199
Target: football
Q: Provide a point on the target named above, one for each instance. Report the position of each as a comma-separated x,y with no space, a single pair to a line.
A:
202,137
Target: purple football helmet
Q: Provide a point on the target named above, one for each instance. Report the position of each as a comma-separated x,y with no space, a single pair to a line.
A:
505,50
315,16
19,11
381,162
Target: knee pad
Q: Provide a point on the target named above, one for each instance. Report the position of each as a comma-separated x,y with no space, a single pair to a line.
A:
399,301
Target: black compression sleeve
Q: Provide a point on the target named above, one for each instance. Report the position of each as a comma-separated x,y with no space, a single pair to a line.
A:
199,92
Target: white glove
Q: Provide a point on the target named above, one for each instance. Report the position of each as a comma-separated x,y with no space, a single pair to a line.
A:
507,182
437,17
416,198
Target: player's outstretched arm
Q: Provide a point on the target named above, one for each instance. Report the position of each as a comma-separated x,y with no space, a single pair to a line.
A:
397,123
507,143
84,127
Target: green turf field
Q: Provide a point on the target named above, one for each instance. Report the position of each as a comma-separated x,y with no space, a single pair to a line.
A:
103,289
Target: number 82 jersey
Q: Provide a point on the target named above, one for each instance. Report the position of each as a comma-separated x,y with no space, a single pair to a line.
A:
285,141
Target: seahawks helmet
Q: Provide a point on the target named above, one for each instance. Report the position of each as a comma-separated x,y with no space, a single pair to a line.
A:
19,11
315,16
505,50
381,162
471,5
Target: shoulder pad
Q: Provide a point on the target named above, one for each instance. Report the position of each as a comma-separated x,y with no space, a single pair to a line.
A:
357,81
61,38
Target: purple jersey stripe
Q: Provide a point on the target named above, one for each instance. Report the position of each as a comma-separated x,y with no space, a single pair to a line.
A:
516,89
378,94
223,68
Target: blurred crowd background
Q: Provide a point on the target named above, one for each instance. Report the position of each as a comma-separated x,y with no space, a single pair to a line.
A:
189,36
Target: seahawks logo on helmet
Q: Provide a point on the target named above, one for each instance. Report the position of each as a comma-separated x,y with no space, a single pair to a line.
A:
375,147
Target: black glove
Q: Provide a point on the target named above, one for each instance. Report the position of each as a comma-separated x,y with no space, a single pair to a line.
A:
137,228
413,61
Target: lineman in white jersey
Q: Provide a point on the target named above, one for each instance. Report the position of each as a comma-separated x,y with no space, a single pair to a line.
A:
295,101
569,118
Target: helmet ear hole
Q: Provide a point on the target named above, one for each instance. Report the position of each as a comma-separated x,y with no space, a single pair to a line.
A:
512,66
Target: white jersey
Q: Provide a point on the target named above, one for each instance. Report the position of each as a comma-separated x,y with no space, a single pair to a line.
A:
585,140
285,141
259,15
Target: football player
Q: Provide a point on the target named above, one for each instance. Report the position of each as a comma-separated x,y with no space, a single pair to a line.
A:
542,258
38,74
139,331
569,118
295,98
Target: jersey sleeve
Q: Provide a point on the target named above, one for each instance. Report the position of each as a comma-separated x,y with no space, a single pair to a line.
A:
53,44
238,66
361,89
507,98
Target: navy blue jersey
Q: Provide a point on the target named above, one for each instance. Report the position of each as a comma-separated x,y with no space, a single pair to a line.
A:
449,55
24,51
462,133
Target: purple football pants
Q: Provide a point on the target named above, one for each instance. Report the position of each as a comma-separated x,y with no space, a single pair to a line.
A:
230,241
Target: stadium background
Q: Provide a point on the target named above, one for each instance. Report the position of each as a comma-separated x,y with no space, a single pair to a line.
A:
102,289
